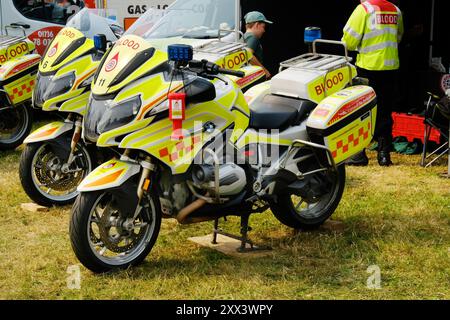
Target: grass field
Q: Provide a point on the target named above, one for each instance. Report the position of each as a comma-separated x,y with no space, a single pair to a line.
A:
396,218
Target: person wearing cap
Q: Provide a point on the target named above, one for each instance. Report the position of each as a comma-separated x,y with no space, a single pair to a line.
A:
255,26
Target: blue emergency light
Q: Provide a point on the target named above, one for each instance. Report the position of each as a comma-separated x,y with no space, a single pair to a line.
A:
100,42
180,52
312,33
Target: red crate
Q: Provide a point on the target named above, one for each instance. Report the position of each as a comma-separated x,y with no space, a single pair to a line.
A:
412,127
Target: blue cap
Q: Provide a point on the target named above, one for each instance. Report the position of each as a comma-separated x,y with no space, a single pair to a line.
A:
256,16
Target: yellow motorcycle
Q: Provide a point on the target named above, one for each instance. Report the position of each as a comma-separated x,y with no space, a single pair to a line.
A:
195,148
55,160
18,67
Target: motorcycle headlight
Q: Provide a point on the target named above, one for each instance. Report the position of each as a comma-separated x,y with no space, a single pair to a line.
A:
40,89
59,86
105,115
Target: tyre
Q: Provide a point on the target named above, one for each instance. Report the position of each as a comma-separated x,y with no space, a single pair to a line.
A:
99,237
298,213
45,176
15,125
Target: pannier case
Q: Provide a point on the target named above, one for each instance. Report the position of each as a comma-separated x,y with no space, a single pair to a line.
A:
18,68
344,122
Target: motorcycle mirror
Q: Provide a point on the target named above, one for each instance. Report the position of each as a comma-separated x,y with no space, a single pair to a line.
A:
100,42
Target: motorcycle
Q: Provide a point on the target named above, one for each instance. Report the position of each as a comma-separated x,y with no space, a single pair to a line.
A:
18,66
55,160
205,150
63,171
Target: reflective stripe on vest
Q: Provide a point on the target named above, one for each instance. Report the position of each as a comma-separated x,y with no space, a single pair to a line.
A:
379,46
369,7
391,63
353,33
378,32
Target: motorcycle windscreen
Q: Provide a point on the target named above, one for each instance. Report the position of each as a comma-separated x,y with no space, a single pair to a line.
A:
202,19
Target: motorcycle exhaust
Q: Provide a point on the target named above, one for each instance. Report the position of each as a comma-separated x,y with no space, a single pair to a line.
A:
186,211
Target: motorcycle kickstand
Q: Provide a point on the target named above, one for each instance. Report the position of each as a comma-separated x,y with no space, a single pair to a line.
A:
216,230
245,228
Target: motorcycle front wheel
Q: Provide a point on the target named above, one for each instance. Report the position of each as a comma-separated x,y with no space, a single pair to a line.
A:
298,213
15,125
45,176
104,240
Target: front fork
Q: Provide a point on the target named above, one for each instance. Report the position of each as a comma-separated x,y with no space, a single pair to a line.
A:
73,144
143,186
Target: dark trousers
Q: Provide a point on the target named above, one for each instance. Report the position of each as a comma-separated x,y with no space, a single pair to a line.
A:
385,85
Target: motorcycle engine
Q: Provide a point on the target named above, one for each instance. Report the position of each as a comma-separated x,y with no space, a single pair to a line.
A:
175,196
232,179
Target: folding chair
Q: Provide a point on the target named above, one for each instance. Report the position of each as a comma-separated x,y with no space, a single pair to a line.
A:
434,118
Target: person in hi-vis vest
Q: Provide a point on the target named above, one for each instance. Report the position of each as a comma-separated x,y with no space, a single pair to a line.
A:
375,29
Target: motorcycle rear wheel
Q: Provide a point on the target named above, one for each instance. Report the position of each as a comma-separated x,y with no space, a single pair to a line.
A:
15,125
297,213
100,240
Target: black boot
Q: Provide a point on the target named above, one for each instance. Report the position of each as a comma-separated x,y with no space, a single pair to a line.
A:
384,158
360,159
384,149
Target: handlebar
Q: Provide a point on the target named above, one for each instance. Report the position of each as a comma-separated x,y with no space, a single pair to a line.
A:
235,73
204,66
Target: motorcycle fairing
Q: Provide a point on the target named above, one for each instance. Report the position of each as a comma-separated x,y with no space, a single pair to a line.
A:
49,131
69,44
252,136
111,174
108,138
156,140
77,104
152,91
129,59
83,67
132,57
178,154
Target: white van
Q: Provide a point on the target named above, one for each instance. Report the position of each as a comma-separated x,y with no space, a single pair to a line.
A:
130,11
42,19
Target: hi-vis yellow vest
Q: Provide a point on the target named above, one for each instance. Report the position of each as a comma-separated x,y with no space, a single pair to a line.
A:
374,29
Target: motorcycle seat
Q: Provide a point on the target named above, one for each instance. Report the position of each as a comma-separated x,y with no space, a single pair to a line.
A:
279,112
